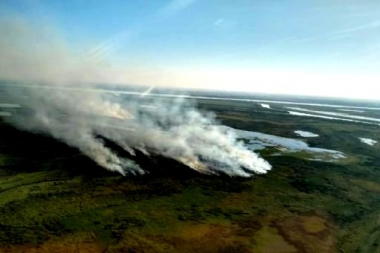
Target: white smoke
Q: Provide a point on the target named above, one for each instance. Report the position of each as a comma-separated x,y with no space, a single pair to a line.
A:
84,118
173,128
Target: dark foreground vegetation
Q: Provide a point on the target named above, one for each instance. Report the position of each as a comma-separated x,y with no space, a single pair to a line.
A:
53,199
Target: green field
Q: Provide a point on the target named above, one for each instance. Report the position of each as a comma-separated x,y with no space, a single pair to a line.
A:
53,199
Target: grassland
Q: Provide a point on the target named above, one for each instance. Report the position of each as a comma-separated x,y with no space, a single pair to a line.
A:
53,199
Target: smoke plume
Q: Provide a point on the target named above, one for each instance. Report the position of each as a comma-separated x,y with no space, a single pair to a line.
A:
83,118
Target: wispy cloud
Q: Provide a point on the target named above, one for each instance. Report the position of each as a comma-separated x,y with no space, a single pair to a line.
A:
176,6
351,30
342,33
113,43
219,22
103,49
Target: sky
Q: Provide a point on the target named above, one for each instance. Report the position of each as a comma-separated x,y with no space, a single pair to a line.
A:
316,47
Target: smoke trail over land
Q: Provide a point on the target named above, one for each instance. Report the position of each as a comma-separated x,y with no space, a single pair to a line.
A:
87,120
172,128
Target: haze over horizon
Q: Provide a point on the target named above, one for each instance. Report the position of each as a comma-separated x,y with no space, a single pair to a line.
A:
318,48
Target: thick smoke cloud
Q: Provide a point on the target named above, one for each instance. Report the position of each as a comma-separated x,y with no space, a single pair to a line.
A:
84,118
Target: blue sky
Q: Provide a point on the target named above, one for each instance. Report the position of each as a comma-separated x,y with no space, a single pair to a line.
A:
320,47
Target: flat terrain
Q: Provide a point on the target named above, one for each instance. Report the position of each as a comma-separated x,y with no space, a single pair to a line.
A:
53,199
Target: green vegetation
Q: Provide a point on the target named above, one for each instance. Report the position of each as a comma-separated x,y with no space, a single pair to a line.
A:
54,199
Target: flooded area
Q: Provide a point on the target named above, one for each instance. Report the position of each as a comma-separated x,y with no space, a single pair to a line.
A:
6,105
5,114
368,141
334,115
305,134
259,141
265,106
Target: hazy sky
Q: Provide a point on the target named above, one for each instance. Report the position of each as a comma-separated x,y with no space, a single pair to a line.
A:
320,47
